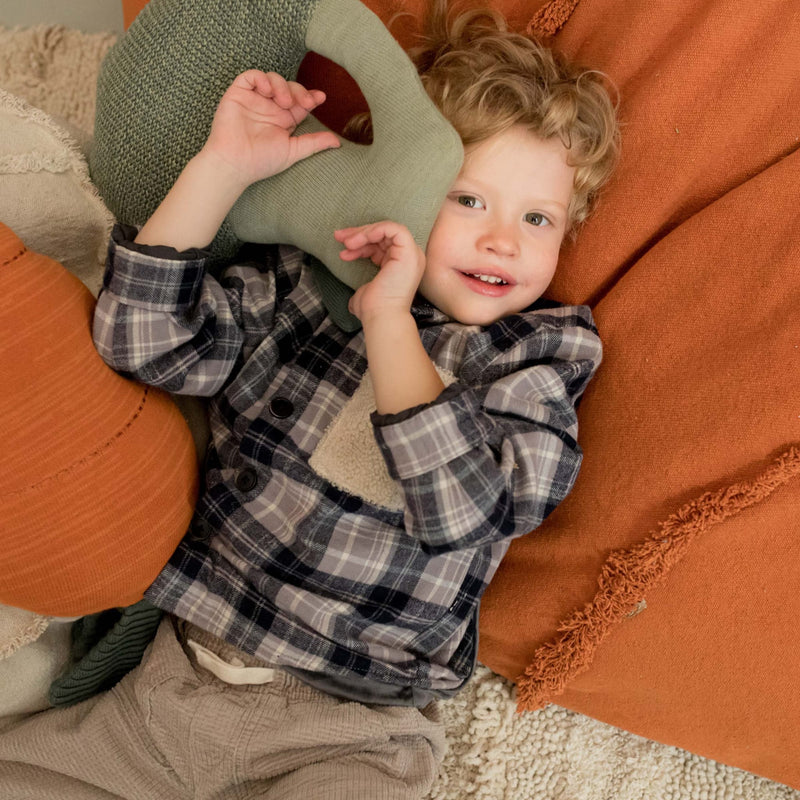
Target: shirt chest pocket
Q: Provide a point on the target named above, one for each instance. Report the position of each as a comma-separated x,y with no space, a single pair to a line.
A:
348,455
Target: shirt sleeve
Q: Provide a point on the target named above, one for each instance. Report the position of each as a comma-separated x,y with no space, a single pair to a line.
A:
490,462
163,320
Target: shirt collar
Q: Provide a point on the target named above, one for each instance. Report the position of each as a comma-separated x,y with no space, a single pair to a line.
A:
426,313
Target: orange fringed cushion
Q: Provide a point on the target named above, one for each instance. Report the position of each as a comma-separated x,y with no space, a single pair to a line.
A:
686,514
99,474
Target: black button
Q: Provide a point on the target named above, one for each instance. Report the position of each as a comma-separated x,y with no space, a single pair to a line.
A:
246,480
201,530
280,407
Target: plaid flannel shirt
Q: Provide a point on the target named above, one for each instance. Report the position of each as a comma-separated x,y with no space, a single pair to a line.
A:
286,563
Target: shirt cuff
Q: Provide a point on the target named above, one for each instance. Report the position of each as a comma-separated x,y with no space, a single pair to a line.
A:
425,438
158,278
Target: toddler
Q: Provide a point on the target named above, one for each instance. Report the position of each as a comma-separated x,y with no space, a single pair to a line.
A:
328,588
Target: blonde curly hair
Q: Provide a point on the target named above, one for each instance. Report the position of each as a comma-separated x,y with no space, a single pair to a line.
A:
485,79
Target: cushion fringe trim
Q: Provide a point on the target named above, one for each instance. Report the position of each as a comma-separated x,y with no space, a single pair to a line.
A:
549,19
628,575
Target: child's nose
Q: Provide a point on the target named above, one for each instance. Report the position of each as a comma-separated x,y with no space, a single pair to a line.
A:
500,238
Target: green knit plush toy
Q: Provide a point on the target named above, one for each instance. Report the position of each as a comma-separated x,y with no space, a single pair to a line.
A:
159,87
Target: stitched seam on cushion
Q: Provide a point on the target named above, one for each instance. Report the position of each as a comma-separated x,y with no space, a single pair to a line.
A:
89,456
15,257
628,575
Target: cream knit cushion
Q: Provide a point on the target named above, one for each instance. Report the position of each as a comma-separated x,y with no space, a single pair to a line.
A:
33,650
46,196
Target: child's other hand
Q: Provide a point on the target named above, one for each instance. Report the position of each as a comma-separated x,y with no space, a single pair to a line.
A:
251,134
391,247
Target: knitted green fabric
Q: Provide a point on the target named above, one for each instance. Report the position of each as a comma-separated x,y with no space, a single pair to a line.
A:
105,647
159,87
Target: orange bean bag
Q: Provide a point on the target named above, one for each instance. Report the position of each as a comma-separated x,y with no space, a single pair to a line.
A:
661,597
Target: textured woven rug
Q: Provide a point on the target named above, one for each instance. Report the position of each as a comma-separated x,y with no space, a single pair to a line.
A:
494,754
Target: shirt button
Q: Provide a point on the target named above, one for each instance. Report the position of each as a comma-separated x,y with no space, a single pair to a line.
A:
280,407
201,531
246,480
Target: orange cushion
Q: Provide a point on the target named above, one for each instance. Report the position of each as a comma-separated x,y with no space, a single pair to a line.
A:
691,265
130,8
99,474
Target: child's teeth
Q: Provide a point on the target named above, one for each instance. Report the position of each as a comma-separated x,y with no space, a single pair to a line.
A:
487,278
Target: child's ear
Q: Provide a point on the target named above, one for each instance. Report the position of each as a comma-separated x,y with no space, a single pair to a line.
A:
155,105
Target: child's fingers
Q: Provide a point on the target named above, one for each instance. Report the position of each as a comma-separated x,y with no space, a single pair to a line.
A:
285,93
303,102
343,233
308,99
353,255
359,248
364,243
267,84
384,235
349,236
372,232
318,96
310,143
359,244
375,253
277,88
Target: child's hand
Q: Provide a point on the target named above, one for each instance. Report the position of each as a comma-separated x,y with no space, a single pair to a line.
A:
392,248
251,134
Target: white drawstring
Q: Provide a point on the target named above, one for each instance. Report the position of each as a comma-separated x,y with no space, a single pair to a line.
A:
234,672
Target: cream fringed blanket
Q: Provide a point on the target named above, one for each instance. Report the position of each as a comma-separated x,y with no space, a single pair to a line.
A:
494,753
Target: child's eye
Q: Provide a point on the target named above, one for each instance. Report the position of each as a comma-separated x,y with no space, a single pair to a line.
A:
539,220
468,200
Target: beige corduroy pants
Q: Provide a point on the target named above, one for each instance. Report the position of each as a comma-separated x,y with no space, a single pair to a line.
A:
172,729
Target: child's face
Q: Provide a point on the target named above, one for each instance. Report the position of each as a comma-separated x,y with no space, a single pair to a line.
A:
504,219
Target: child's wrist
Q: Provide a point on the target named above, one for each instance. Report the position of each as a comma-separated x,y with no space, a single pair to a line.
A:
389,318
194,208
221,175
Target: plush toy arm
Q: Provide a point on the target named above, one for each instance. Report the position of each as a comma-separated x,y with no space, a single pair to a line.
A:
403,175
161,83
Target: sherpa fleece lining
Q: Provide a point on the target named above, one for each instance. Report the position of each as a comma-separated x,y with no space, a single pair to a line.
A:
348,454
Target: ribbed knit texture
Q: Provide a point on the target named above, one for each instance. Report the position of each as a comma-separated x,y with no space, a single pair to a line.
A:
105,647
160,85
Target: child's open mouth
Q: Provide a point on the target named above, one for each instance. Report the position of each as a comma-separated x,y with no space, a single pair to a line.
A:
486,283
487,278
